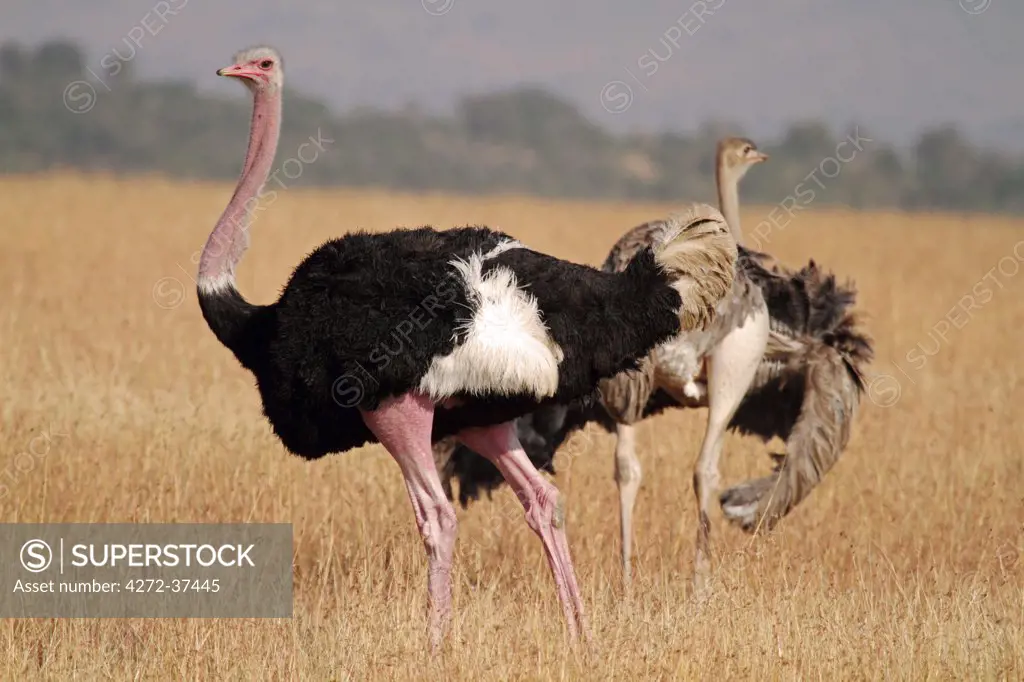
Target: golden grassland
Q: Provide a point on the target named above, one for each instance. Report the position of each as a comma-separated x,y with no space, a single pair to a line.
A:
906,563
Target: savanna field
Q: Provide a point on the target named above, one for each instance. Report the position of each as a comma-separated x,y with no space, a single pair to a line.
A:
906,563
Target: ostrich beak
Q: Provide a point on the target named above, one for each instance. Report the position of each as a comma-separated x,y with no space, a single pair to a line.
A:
758,157
235,71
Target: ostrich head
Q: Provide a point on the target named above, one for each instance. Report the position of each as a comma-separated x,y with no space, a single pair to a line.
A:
736,155
260,68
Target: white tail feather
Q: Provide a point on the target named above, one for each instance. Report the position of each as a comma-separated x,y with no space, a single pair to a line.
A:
507,349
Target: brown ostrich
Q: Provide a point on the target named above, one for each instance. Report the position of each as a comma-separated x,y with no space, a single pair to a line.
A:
784,357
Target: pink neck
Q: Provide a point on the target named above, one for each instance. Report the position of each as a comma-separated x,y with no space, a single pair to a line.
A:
229,238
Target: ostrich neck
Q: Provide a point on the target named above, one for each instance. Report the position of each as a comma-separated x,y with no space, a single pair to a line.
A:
729,200
229,238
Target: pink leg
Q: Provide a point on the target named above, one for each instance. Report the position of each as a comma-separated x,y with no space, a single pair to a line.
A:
403,426
544,511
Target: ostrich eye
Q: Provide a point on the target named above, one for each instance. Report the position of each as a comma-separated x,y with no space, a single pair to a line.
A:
266,64
747,150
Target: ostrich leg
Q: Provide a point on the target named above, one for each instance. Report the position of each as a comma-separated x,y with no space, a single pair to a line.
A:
403,426
628,475
545,512
731,367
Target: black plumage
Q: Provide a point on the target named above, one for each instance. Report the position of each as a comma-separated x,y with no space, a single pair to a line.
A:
363,316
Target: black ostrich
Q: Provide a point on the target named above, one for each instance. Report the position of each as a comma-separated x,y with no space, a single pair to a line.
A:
407,337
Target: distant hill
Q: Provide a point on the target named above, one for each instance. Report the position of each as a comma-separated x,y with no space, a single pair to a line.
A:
56,110
897,67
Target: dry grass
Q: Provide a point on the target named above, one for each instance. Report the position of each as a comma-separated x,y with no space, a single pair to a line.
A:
905,564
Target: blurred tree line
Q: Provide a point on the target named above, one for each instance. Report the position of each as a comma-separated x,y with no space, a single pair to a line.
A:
523,140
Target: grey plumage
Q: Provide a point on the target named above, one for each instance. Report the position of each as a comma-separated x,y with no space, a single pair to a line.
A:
806,391
625,395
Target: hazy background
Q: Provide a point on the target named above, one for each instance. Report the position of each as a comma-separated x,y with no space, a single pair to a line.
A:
623,73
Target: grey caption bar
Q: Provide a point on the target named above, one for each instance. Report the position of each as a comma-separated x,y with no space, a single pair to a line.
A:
145,570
